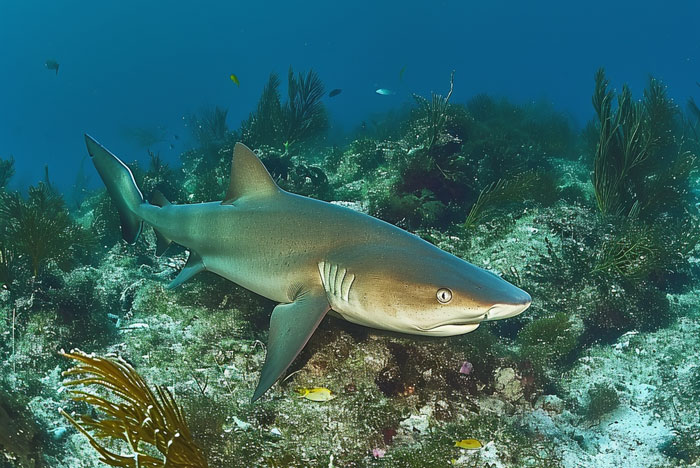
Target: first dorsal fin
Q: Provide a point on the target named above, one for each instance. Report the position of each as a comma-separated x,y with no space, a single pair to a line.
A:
248,176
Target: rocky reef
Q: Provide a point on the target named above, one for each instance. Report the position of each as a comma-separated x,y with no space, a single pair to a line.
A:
599,225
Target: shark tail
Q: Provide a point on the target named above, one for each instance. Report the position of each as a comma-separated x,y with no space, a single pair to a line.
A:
162,242
121,187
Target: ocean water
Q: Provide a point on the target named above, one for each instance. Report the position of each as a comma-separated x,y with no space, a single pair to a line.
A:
491,257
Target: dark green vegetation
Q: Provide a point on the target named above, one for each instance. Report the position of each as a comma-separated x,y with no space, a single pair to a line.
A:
684,446
602,399
597,226
39,229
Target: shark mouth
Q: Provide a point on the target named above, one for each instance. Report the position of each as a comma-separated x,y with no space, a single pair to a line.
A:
495,312
461,322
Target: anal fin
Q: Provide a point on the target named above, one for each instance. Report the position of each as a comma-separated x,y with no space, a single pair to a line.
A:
291,326
193,266
162,243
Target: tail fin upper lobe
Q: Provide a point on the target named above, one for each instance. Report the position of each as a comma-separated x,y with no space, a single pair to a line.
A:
121,187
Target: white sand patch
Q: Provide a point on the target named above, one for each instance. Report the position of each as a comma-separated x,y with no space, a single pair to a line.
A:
648,371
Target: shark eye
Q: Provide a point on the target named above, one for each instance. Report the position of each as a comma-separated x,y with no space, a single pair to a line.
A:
444,295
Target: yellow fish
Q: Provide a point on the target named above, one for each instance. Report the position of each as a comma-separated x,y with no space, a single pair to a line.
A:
234,78
316,393
469,444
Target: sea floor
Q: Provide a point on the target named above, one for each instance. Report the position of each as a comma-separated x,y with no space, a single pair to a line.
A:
205,342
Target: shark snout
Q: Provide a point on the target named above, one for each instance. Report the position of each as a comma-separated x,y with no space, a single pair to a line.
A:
516,304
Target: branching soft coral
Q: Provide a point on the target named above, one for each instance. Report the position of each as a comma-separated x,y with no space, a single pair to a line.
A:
7,170
39,227
134,414
301,118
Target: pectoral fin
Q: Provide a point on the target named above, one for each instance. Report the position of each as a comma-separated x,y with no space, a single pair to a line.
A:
291,326
193,266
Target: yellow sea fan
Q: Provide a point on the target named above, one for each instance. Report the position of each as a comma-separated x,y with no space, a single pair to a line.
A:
134,414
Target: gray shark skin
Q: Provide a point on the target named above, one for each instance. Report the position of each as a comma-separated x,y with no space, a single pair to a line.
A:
312,257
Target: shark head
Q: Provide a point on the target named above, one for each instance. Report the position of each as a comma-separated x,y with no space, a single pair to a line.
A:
433,293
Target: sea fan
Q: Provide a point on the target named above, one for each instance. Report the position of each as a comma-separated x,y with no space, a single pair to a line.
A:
134,414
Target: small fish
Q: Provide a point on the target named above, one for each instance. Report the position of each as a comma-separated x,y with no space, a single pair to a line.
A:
385,92
234,78
52,65
177,137
469,444
315,393
401,72
335,92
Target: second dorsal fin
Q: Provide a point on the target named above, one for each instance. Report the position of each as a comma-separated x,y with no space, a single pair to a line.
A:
248,176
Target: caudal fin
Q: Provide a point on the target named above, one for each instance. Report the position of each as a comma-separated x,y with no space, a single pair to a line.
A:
121,187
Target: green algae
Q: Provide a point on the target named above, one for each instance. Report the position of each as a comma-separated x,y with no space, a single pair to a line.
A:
602,399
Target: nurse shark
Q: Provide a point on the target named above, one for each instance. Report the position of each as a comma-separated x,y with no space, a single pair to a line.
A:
313,258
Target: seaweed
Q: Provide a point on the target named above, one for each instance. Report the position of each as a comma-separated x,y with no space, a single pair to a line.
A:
684,445
211,134
159,177
640,167
79,189
302,118
7,170
436,114
209,127
78,306
105,222
631,253
135,415
40,228
409,210
264,126
622,144
548,343
304,114
635,250
20,438
531,184
602,399
619,308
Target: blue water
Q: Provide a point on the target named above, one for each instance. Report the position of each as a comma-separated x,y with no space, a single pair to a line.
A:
133,64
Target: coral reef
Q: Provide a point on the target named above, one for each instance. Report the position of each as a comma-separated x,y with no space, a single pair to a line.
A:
601,371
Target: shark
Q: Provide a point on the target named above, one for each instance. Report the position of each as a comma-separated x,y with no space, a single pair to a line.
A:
311,257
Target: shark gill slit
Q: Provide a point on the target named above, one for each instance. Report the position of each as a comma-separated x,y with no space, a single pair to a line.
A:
336,280
345,291
332,277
